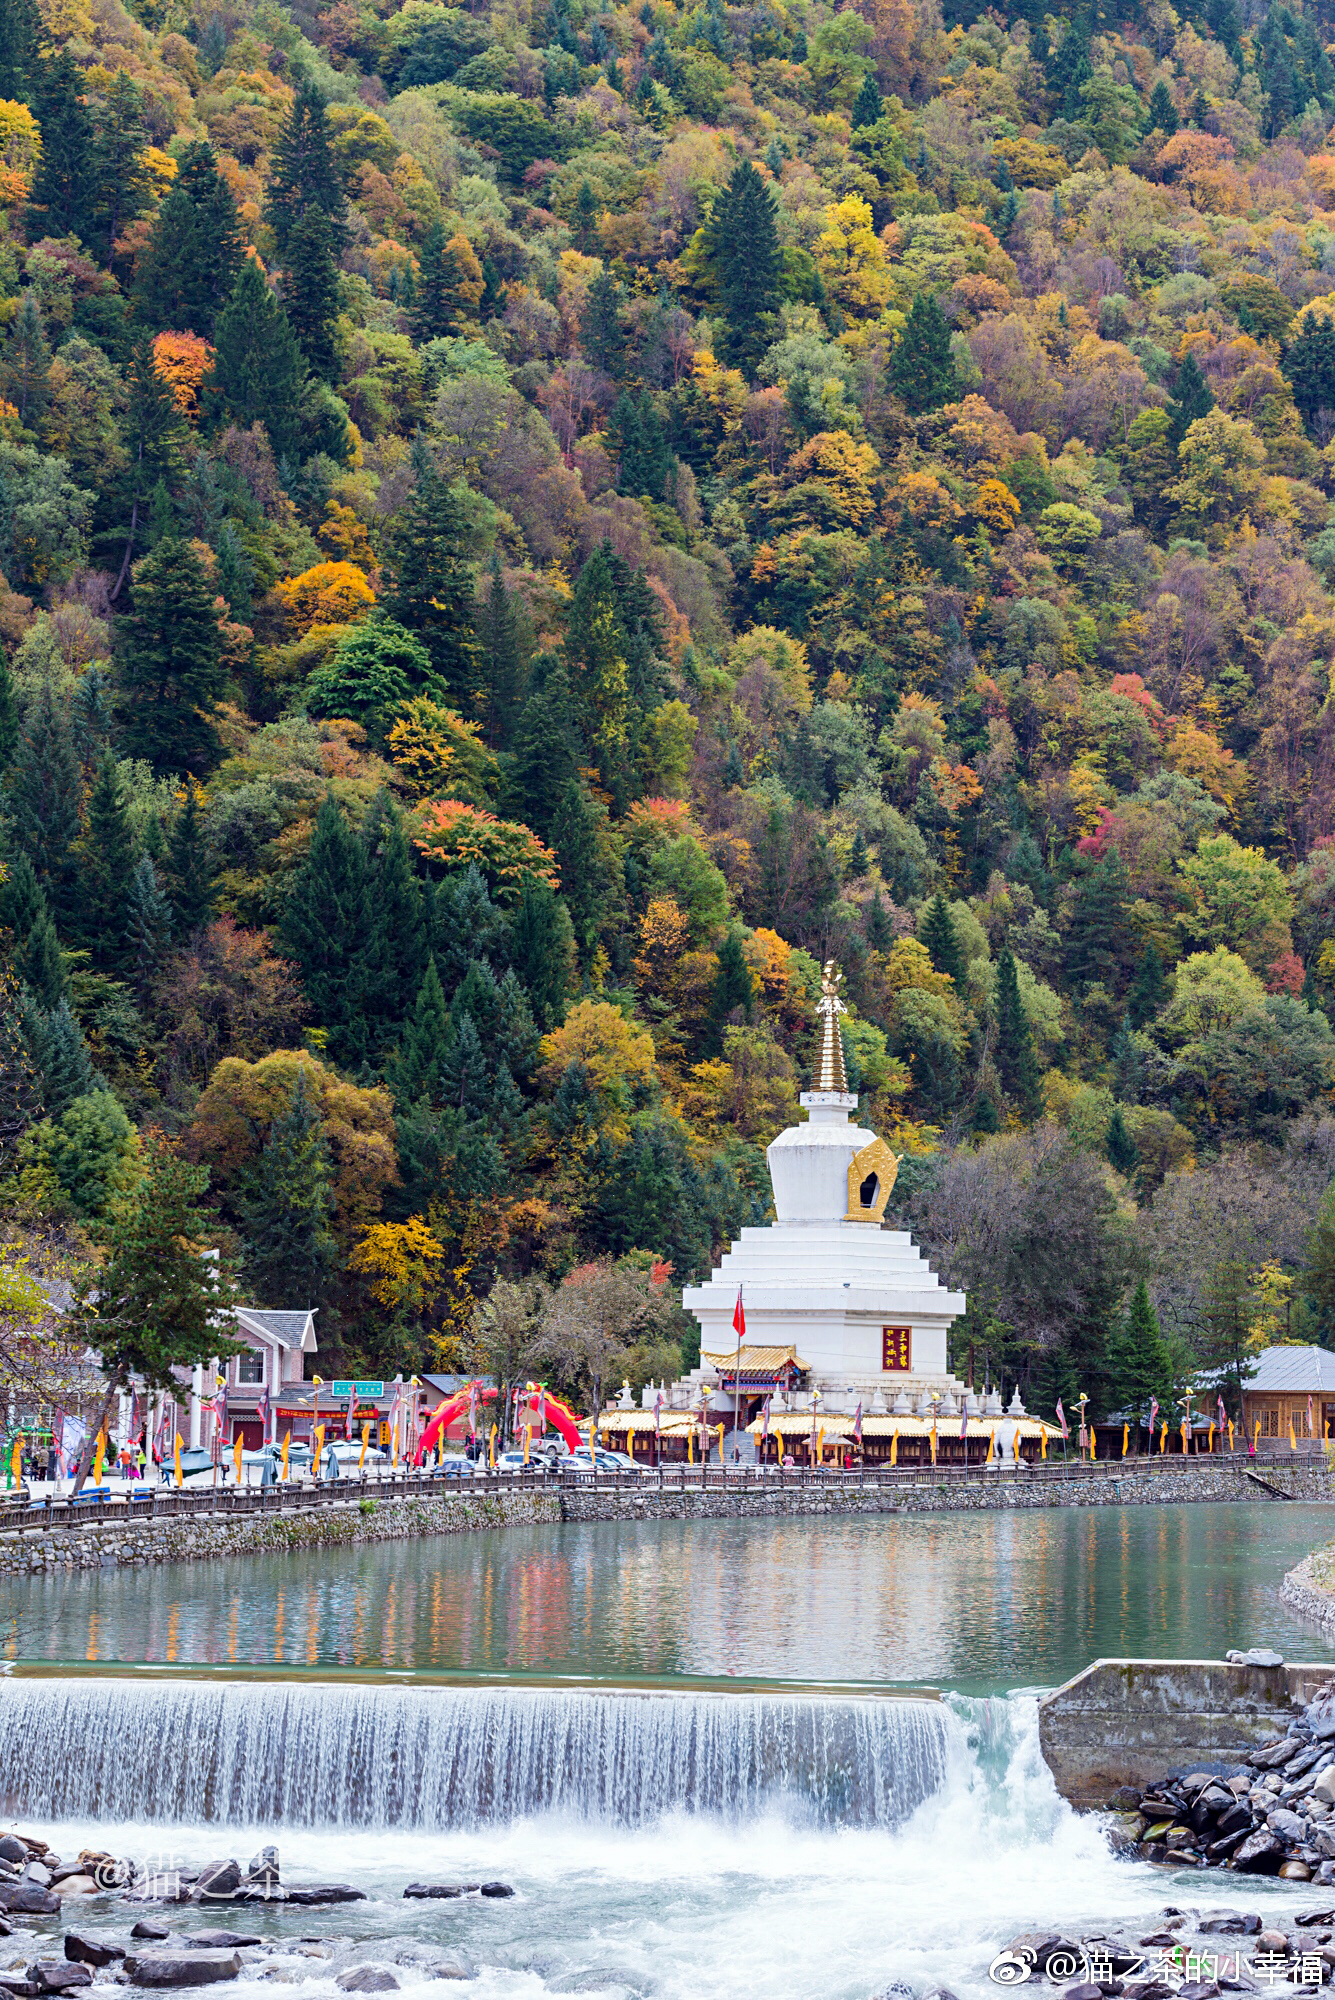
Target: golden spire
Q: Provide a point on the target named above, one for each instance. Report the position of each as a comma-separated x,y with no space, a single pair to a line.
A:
831,1074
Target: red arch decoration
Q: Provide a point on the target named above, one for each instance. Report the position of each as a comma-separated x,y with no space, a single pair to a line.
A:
442,1418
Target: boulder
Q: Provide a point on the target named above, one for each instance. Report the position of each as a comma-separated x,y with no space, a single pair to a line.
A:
145,1929
367,1979
91,1951
1324,1788
438,1892
441,1965
264,1863
79,1885
1274,1755
1272,1940
1262,1656
497,1889
26,1899
1287,1825
13,1849
1234,1817
1125,1799
1260,1854
182,1968
1084,1989
221,1879
1198,1989
18,1985
326,1892
1229,1923
219,1940
58,1975
37,1871
1295,1871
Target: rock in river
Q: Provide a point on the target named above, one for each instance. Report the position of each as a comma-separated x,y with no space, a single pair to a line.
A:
182,1968
367,1979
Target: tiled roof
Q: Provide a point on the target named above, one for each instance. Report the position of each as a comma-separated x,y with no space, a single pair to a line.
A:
755,1360
1295,1369
287,1328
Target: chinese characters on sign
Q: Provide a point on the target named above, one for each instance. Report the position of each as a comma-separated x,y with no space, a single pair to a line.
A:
1097,1963
897,1348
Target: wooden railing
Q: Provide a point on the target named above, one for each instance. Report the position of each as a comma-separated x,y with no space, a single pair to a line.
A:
21,1512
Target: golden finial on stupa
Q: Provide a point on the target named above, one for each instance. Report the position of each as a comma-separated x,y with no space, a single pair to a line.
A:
830,1071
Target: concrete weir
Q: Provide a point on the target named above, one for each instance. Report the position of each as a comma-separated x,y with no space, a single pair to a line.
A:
1126,1722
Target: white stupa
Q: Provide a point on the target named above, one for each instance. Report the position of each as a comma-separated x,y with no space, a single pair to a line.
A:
858,1304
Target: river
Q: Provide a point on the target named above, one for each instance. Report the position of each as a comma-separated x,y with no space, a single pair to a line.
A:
750,1820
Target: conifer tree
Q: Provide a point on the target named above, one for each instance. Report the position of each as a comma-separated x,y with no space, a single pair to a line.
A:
602,330
169,664
749,263
574,835
157,1296
20,39
430,577
501,661
1149,988
1192,399
867,103
1121,1148
394,948
65,193
465,1083
307,211
586,216
36,952
148,924
122,173
43,805
189,876
60,1053
542,951
25,363
922,373
107,870
155,439
285,1207
1318,1280
258,371
1096,946
194,254
546,757
942,940
646,461
324,927
310,293
9,718
416,1066
431,311
1162,115
1142,1368
1017,1064
733,990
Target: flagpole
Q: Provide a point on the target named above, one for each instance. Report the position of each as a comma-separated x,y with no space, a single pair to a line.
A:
739,1321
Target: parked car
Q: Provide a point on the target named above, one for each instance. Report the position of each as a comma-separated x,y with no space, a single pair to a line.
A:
580,1464
455,1466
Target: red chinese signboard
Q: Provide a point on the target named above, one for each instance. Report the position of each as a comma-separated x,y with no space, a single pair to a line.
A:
897,1347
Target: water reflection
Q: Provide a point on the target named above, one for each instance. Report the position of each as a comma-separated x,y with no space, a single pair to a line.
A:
974,1602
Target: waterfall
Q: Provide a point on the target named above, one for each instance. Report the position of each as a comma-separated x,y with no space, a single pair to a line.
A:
302,1755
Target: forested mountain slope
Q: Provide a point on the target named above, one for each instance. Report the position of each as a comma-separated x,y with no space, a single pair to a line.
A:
524,528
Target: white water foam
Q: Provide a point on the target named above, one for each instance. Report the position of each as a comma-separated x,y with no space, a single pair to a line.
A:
759,1903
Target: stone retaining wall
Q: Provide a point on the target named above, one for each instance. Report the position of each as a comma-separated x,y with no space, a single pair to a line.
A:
1306,1589
111,1545
1309,1480
201,1537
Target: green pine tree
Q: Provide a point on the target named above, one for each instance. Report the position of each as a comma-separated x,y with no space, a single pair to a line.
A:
1141,1364
37,959
733,989
20,40
303,175
189,874
867,103
43,803
25,363
1017,1064
586,216
148,924
310,292
107,870
542,942
941,938
430,313
922,373
500,660
574,836
20,1078
749,262
155,440
415,1072
1096,944
546,752
122,171
602,328
324,927
285,1206
394,950
430,577
157,1297
169,663
65,193
258,372
1149,988
1192,399
60,1053
1119,1145
195,250
9,718
1162,115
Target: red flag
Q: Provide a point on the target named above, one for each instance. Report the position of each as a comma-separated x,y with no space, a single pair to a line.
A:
857,1423
1311,1432
739,1317
1061,1418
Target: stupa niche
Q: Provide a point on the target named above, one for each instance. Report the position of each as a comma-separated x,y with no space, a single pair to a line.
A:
858,1302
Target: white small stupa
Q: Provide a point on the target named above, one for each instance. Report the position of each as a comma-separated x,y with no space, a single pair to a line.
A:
858,1304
